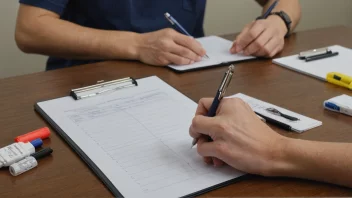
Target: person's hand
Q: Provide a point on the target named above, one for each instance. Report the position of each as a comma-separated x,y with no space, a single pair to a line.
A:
262,38
240,138
167,46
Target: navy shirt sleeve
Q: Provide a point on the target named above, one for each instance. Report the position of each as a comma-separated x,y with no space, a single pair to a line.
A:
57,6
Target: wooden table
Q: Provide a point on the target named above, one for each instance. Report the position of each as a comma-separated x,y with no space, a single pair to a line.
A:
66,175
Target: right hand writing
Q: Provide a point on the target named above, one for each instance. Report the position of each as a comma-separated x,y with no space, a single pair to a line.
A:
240,138
167,46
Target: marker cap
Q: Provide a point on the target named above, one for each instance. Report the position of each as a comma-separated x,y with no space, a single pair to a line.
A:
42,153
37,143
42,133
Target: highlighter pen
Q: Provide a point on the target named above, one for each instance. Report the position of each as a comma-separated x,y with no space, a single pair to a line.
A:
219,96
340,77
178,26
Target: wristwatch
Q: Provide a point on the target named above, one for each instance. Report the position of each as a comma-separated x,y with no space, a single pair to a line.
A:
286,19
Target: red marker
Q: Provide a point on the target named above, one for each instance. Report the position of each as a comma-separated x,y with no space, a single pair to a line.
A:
42,133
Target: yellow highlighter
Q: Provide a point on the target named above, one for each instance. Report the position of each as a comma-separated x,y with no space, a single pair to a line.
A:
339,79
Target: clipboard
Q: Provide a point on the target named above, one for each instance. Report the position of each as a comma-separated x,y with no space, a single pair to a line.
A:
116,85
317,63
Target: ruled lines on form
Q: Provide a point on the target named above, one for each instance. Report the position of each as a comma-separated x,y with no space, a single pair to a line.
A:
145,136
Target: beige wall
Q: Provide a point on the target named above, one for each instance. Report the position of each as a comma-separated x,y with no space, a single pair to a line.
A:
222,16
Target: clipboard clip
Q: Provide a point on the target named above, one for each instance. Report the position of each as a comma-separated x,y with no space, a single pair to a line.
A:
316,54
103,87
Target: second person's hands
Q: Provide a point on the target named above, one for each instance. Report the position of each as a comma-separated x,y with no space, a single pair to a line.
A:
167,46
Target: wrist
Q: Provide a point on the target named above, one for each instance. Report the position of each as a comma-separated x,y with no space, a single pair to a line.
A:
134,47
279,24
285,161
279,161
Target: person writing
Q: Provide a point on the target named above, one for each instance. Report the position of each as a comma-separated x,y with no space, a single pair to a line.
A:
243,141
74,32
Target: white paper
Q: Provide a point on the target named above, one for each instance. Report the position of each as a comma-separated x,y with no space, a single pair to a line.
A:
218,50
320,68
304,123
139,138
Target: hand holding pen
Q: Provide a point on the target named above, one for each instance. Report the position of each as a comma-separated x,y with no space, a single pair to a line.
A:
178,26
219,95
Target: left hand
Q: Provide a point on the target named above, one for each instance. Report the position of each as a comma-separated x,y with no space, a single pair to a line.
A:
262,38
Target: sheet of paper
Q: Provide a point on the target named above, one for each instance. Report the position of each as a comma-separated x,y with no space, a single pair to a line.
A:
320,68
138,137
304,123
218,50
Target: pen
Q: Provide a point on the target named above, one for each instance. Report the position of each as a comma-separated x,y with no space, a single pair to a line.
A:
275,122
270,9
312,58
219,95
178,26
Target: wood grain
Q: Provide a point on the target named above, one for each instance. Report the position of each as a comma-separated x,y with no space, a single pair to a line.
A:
64,174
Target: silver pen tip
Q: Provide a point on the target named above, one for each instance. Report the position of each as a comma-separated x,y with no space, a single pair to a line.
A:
167,14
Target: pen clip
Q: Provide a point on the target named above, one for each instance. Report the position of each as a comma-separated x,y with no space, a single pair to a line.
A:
314,52
168,17
226,81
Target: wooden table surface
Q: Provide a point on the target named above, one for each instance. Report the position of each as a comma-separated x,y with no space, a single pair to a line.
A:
64,174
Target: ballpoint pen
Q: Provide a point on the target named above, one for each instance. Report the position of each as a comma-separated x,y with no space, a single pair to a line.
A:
266,14
219,95
275,122
278,113
178,26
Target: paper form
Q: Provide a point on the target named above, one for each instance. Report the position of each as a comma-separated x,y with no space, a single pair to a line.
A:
138,137
218,50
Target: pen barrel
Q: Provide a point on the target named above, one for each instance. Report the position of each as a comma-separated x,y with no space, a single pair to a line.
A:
214,106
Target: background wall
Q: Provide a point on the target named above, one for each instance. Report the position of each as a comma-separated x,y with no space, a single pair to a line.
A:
222,16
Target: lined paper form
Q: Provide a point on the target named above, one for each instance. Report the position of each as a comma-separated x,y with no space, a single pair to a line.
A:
138,137
218,50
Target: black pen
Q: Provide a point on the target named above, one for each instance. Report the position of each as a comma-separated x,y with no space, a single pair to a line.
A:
275,122
317,57
219,95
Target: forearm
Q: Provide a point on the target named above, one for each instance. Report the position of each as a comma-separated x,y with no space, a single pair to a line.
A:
52,36
320,161
291,7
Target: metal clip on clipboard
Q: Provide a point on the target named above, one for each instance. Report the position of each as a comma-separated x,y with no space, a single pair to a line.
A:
102,87
316,54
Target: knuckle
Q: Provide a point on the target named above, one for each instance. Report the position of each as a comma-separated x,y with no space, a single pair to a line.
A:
169,32
195,122
259,43
251,34
223,127
220,148
164,44
267,50
161,59
237,101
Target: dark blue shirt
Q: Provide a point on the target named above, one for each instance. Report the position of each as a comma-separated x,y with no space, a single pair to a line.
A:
127,15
